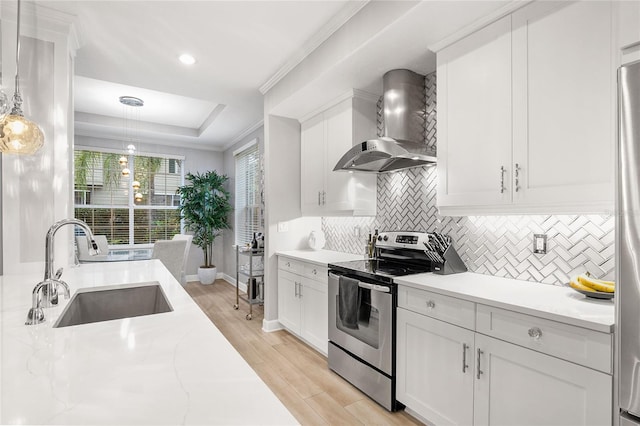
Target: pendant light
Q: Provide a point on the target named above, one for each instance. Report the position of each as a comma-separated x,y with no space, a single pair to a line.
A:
129,103
19,135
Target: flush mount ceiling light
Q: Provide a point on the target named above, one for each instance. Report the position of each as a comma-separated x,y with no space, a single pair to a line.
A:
187,59
19,135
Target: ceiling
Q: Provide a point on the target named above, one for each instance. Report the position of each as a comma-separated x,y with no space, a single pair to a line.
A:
242,49
132,47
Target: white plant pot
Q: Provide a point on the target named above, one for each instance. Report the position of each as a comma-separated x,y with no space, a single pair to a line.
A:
207,275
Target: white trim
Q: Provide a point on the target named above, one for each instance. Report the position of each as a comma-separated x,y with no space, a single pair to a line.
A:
334,24
191,278
478,24
271,326
245,147
122,151
243,134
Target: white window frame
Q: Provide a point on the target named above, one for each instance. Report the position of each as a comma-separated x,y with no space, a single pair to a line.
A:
239,209
131,205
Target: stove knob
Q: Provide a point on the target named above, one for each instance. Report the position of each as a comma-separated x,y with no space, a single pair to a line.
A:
385,238
380,237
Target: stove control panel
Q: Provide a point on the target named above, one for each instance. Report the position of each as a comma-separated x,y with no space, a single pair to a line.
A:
403,239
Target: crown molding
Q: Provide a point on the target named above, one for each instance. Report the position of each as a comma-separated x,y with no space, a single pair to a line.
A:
478,24
337,21
243,134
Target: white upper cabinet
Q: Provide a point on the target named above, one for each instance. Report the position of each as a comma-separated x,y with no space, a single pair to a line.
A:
325,138
474,118
552,89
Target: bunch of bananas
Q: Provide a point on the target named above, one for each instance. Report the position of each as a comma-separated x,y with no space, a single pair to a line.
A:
586,282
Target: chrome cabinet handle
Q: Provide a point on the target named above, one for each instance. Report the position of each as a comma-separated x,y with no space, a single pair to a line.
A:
479,372
314,272
431,304
517,171
464,357
300,290
324,198
288,264
319,198
502,172
535,333
295,289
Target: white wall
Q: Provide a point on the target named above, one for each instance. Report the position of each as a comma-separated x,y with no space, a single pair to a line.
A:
229,265
36,189
195,161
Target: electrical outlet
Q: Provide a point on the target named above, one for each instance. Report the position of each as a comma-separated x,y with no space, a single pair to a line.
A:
540,243
283,226
356,231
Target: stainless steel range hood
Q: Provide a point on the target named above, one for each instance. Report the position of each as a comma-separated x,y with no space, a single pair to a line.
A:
403,145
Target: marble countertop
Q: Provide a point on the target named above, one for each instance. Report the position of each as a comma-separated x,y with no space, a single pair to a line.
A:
320,257
170,368
542,300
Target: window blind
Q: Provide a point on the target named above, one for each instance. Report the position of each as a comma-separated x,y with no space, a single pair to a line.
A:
247,200
111,205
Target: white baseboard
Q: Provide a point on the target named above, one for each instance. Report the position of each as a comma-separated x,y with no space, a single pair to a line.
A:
271,325
191,278
219,276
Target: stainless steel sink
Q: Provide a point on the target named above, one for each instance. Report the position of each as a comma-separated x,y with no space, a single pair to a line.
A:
114,302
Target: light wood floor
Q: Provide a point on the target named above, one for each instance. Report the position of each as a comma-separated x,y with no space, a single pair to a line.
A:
297,374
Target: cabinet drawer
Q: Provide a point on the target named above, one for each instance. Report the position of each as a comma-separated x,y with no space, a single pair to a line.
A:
316,272
576,344
286,264
455,311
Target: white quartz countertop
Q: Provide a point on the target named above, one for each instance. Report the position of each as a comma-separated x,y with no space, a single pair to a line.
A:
542,300
170,368
320,257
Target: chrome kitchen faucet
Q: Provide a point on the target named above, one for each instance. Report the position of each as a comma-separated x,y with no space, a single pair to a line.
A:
49,285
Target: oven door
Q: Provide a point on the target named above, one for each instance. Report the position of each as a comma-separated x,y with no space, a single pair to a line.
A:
365,327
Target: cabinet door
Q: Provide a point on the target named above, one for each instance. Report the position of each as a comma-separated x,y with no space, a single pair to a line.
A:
564,105
430,376
312,164
518,386
315,309
474,118
338,128
288,301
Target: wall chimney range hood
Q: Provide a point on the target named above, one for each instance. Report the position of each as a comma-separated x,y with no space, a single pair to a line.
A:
403,145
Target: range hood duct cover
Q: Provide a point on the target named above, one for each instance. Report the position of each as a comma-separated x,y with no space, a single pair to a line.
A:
403,144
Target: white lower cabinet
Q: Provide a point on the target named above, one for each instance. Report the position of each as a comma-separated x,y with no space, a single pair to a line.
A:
302,301
518,386
451,375
435,368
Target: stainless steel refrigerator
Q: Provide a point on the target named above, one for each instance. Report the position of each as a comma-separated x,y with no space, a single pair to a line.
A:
628,246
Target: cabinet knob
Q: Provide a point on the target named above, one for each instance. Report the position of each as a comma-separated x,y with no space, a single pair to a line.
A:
431,304
535,333
314,272
288,265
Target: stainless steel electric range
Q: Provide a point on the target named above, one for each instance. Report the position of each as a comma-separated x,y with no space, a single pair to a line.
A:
362,307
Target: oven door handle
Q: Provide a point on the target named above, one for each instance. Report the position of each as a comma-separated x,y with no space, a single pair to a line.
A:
374,287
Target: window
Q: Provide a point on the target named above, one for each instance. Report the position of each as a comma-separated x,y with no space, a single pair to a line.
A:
136,209
248,201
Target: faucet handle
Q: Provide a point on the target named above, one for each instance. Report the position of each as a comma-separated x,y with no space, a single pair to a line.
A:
59,273
35,316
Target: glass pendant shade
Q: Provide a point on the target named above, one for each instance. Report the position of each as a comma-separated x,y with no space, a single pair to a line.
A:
135,184
123,160
19,135
138,197
126,172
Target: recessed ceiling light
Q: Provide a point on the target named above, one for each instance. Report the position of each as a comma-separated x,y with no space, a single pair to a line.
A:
187,59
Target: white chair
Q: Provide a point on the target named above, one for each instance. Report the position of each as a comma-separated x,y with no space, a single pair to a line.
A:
171,254
83,248
188,239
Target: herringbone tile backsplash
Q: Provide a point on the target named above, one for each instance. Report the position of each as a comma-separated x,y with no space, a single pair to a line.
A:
492,245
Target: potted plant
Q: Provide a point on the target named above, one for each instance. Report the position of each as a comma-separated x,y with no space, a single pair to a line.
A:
205,207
